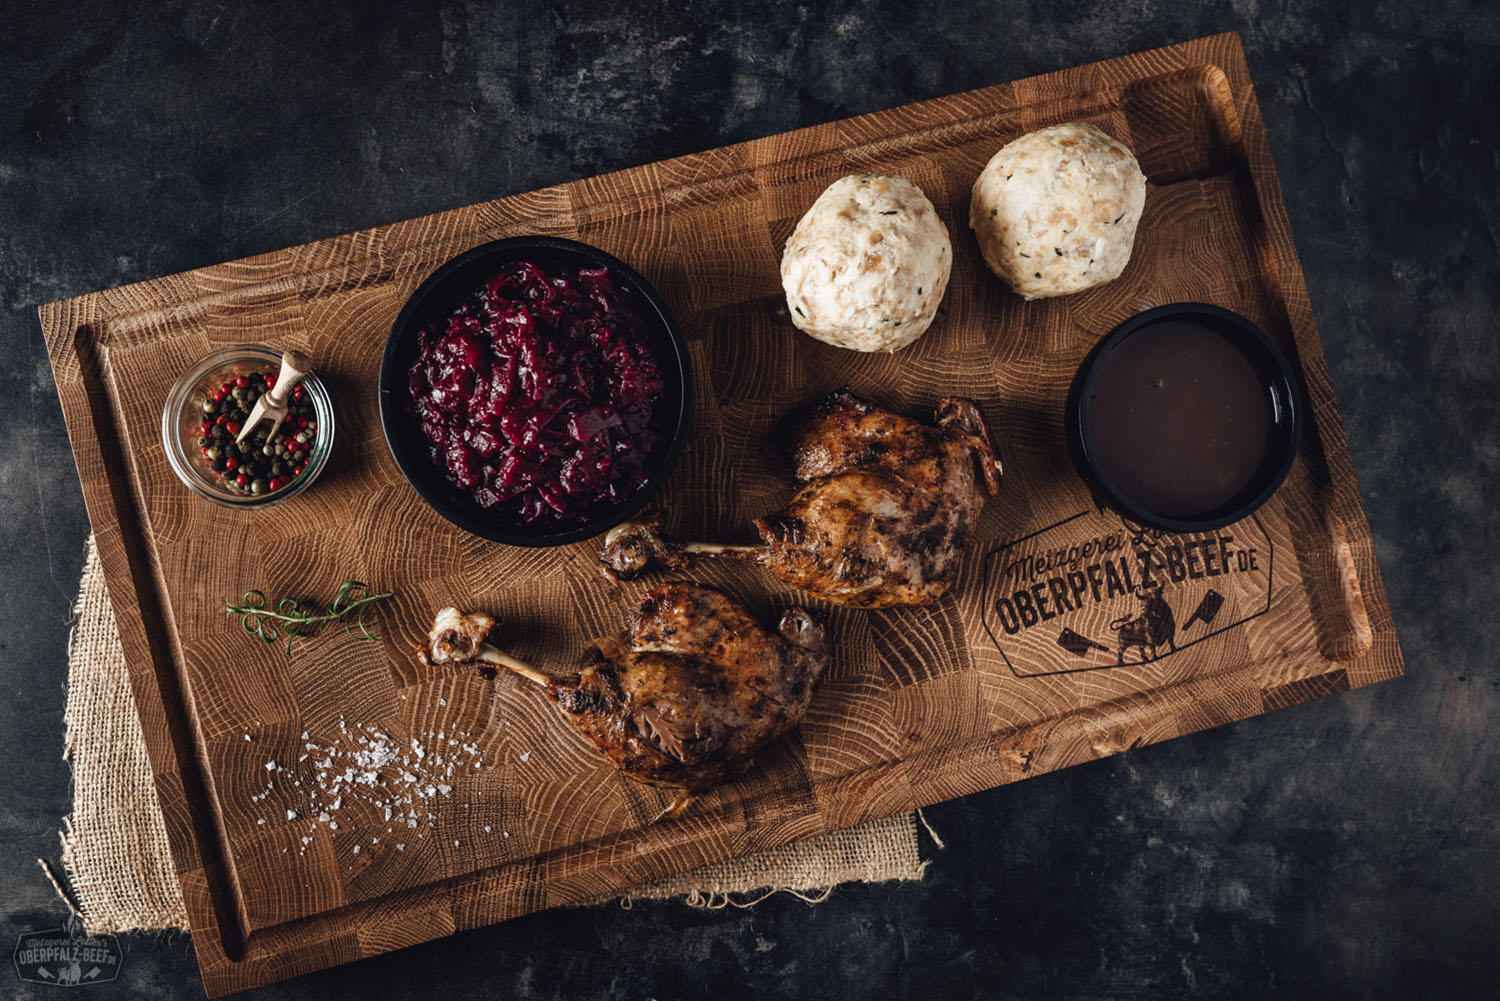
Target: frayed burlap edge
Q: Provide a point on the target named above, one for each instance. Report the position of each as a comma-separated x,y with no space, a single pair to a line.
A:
809,870
114,846
118,863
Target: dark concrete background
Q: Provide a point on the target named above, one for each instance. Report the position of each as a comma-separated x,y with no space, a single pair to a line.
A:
1346,848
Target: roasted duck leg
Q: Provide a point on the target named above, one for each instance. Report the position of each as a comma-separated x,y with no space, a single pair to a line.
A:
886,507
685,697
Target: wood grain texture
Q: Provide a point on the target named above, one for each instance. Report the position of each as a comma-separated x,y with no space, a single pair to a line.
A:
919,705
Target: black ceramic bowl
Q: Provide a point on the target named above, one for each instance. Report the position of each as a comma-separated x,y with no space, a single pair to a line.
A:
1282,397
446,288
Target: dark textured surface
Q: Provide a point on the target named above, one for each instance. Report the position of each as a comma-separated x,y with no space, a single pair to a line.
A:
1345,848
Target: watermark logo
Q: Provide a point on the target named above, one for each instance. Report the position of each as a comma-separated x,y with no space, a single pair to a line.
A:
67,956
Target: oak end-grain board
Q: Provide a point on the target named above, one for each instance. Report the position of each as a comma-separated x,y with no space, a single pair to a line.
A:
1050,650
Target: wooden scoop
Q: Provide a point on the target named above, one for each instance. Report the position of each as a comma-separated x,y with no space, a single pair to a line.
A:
273,403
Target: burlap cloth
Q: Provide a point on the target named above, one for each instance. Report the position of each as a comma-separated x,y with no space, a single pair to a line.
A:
118,866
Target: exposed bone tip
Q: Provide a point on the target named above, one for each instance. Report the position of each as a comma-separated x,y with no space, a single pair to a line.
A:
624,528
677,807
461,638
629,548
800,629
457,637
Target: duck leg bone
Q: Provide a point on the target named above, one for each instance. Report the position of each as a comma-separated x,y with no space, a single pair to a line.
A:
457,638
632,547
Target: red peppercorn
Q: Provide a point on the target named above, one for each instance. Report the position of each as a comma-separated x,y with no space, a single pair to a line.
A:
287,419
206,426
233,427
242,381
297,393
231,464
242,480
296,470
221,419
219,395
276,483
301,422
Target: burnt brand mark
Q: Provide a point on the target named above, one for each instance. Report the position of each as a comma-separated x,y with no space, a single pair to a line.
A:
1094,591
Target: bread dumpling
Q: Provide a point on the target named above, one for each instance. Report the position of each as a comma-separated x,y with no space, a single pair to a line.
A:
1055,211
867,265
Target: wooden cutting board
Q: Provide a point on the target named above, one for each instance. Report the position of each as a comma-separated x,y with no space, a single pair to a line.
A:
463,801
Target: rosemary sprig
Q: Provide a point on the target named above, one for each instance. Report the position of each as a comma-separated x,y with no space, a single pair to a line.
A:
293,618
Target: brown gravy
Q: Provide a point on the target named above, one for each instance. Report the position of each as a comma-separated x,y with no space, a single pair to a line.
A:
1179,418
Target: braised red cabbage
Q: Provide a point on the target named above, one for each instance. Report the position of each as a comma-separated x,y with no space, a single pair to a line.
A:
538,395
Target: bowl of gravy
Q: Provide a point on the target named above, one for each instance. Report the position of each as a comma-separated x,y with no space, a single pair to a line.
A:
1185,418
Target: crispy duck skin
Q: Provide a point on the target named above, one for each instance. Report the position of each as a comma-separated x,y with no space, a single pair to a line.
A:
685,697
887,506
694,688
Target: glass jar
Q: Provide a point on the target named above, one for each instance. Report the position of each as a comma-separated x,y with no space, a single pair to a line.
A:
182,416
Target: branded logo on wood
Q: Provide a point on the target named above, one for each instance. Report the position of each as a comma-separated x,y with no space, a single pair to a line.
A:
67,956
1094,591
